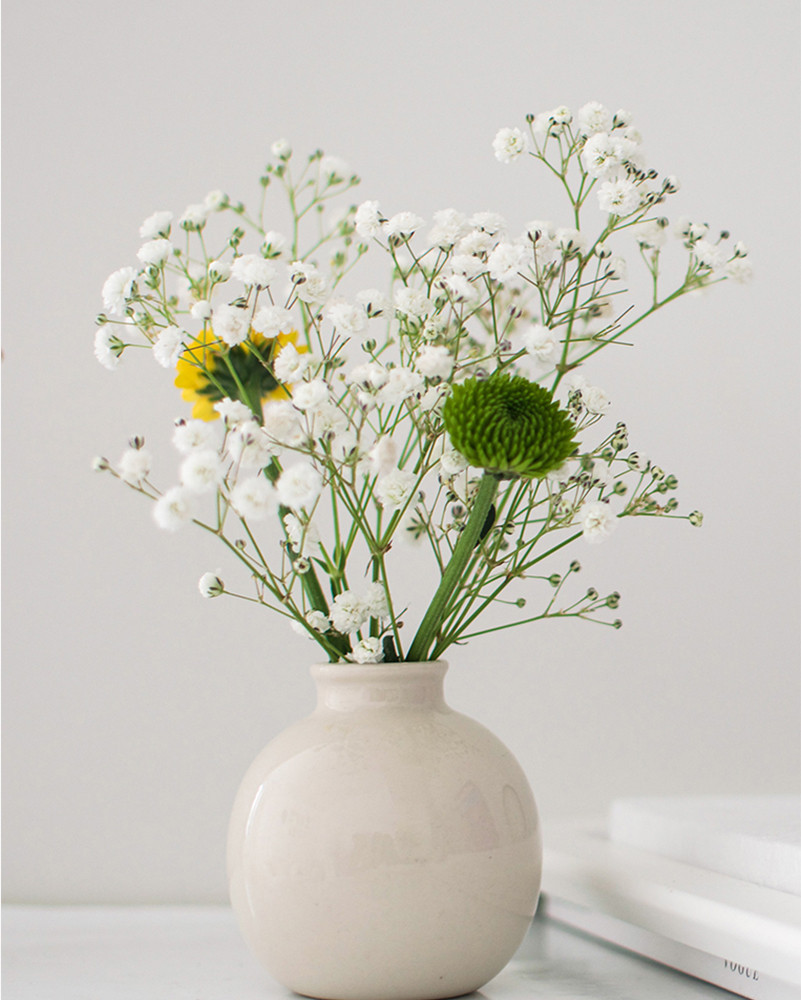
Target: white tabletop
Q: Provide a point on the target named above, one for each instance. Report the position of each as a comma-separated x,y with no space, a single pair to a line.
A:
195,953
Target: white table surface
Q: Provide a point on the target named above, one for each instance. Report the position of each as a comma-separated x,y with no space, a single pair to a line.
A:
195,953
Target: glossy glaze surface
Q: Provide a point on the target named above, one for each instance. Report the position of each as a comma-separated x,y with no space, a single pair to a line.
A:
386,846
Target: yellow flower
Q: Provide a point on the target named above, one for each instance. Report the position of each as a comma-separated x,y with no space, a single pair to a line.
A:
204,373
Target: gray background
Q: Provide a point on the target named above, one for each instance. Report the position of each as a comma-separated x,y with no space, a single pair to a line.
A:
132,707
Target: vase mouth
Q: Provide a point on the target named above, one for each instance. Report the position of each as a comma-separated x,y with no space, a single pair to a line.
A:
348,686
361,671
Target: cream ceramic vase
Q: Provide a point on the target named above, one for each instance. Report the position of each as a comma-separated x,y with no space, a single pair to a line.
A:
385,847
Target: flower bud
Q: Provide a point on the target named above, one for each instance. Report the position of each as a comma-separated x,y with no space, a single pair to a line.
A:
575,566
696,518
554,579
100,464
210,585
613,600
592,594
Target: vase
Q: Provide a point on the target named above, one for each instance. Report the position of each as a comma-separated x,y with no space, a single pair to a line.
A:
386,847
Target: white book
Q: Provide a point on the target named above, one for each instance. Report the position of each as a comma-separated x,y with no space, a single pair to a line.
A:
735,934
756,838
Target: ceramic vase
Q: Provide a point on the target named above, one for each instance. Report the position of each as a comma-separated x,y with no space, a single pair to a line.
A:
385,847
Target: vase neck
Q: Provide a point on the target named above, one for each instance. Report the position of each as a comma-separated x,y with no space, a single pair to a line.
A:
344,687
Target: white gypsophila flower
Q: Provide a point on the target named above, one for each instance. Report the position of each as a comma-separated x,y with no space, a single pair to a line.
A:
402,383
310,396
685,228
275,245
412,302
616,268
348,613
597,520
595,399
369,375
342,442
231,324
169,345
282,423
281,149
318,621
459,287
368,219
570,241
602,155
619,197
651,234
622,118
194,435
134,465
210,585
739,269
290,365
332,168
383,456
452,463
540,343
509,144
201,470
559,478
448,228
593,117
117,289
374,302
201,309
157,224
489,222
174,509
394,489
220,270
374,600
254,498
272,320
434,361
432,399
346,318
250,446
194,216
403,224
299,486
476,243
233,412
709,254
326,421
506,261
302,537
253,270
154,251
107,347
216,200
367,650
561,115
310,285
466,265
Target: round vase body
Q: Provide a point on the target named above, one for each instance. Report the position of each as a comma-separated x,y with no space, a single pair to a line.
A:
386,847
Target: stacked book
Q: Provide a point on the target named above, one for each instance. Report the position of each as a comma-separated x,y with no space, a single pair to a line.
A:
709,886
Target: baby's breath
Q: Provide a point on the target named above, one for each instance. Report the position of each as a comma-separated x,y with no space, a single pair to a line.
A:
453,406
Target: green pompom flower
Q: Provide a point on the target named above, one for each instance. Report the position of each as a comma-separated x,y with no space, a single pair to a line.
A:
508,425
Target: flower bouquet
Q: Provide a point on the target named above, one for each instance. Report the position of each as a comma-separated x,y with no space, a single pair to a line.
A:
447,409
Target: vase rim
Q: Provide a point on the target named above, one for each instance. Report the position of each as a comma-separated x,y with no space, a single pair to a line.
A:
361,671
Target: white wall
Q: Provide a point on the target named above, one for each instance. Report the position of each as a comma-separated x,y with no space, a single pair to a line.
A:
132,706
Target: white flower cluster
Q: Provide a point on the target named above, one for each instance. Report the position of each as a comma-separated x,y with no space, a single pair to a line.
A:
327,392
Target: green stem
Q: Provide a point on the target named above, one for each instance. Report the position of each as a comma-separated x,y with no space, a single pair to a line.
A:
452,577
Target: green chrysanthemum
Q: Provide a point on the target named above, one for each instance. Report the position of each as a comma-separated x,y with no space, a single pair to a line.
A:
508,425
